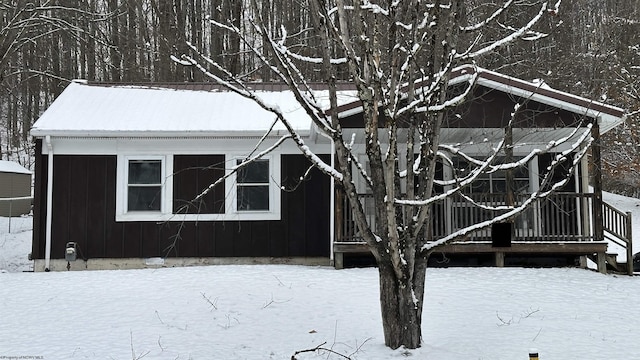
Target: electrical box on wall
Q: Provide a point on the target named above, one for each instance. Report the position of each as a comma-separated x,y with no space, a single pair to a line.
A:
70,252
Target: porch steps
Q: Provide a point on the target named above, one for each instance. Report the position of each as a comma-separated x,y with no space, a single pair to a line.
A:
612,264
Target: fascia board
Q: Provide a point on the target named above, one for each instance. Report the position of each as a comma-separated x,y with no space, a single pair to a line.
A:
40,133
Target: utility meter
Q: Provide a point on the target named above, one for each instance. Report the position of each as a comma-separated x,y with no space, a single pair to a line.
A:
70,251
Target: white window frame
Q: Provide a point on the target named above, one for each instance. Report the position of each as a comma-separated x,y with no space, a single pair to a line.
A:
122,189
231,183
166,210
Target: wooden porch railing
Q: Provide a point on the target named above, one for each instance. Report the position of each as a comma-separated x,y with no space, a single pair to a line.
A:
560,217
617,228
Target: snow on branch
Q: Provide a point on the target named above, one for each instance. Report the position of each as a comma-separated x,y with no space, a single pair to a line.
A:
314,60
486,165
366,5
361,169
580,150
453,101
530,35
245,92
281,45
507,39
461,183
511,213
488,19
236,167
374,8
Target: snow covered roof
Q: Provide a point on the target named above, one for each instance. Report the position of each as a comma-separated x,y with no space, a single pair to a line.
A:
12,167
87,109
190,109
610,116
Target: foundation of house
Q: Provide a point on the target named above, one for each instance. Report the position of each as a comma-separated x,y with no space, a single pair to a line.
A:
154,263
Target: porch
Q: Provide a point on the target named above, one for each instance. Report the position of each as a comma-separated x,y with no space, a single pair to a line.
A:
565,225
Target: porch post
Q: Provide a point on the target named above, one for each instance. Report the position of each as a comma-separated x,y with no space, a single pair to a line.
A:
597,182
332,206
587,218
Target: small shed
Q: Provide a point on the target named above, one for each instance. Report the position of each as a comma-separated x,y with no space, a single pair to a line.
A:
15,182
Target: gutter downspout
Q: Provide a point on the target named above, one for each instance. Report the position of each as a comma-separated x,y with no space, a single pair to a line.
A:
47,249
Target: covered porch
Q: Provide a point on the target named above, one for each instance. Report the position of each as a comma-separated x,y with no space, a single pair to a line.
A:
562,225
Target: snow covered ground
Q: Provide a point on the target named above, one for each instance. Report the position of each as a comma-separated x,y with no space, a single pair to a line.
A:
270,312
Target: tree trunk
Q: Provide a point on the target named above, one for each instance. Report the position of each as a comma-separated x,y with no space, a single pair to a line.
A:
401,305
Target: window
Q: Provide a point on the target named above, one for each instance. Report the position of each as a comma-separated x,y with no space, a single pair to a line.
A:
147,188
254,189
252,193
494,182
144,185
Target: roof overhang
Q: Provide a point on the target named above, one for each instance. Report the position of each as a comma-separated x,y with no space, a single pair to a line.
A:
38,133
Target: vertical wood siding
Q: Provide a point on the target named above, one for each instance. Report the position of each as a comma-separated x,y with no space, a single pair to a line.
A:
84,212
39,202
192,175
490,108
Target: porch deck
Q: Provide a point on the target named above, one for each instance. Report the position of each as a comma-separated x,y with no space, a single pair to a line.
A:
578,249
561,225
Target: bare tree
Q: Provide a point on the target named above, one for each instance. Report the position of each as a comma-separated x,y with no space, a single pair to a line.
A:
399,56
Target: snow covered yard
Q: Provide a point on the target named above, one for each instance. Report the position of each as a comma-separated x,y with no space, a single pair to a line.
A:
270,312
15,244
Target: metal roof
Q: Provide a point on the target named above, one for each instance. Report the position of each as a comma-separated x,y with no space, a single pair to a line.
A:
209,109
186,109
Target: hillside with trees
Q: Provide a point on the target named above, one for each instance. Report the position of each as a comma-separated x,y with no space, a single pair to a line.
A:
588,48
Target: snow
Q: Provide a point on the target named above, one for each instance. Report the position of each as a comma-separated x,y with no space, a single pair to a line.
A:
101,110
272,311
12,167
15,245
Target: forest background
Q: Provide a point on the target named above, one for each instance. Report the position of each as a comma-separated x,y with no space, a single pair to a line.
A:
592,50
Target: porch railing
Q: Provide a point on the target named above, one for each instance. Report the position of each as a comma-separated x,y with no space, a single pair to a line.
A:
617,228
559,217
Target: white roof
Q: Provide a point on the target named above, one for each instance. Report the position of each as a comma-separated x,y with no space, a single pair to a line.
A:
12,167
203,110
108,110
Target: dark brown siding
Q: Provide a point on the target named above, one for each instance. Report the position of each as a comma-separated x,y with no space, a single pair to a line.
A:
192,175
305,211
39,202
489,108
492,109
84,212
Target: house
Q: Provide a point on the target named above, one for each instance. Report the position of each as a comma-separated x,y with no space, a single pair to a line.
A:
119,169
15,189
